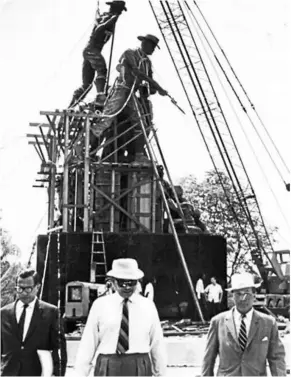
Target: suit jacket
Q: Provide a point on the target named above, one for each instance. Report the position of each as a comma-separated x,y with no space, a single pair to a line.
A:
20,358
263,344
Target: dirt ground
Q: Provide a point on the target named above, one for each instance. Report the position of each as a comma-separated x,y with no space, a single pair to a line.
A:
184,354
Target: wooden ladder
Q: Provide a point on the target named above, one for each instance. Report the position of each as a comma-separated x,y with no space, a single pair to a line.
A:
98,258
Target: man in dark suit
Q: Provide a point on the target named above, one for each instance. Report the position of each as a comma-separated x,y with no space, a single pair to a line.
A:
243,338
29,325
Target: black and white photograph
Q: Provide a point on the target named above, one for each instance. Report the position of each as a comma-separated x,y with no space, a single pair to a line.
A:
145,187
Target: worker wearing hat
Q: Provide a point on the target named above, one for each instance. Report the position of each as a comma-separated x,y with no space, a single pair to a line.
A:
135,76
243,338
94,61
124,329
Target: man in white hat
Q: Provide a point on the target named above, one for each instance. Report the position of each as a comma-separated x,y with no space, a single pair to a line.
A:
243,338
123,329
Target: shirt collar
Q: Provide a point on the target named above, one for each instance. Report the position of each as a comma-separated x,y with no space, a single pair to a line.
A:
30,305
143,54
131,299
248,317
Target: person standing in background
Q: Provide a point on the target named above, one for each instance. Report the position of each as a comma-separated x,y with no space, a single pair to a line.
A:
200,291
214,296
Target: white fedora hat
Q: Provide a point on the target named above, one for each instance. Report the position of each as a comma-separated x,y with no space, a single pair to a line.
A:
125,268
241,281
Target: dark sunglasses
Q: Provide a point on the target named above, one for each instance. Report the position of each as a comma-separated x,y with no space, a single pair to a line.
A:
128,283
22,289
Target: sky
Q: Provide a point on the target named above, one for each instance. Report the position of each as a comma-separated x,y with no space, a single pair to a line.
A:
41,43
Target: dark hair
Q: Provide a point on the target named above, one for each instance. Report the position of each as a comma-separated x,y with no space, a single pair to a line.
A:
27,274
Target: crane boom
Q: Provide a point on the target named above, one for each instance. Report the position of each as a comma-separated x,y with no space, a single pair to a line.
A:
214,128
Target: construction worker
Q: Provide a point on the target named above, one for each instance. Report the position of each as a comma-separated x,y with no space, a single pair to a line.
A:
135,72
93,59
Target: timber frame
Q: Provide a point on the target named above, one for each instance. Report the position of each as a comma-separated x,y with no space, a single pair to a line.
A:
93,193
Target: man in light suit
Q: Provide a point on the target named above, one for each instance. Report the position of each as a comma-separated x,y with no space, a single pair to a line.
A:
29,325
243,338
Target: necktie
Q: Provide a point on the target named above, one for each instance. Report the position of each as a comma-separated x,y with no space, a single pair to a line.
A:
122,344
242,337
22,321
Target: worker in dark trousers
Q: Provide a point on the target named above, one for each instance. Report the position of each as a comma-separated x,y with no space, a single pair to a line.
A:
93,58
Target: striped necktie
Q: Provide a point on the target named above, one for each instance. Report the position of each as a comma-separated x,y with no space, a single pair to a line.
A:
242,337
123,341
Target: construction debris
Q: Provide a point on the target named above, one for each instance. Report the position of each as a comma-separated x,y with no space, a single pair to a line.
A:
184,327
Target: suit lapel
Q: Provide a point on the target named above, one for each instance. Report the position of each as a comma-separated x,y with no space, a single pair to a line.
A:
229,322
13,319
253,328
36,315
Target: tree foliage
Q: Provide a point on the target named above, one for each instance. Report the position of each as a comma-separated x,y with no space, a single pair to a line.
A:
10,266
225,217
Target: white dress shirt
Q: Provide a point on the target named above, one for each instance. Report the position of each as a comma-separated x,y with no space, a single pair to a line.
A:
138,288
199,288
102,330
149,291
214,292
237,316
29,312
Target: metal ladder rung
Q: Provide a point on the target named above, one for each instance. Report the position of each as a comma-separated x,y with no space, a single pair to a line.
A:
100,263
97,252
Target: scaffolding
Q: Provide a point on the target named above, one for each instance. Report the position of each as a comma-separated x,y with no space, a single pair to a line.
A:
93,187
93,194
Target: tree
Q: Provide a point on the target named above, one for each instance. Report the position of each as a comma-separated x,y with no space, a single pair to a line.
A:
10,266
225,217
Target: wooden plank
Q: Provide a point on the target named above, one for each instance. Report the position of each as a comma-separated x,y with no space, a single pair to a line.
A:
34,142
45,143
33,135
122,209
40,150
39,125
70,113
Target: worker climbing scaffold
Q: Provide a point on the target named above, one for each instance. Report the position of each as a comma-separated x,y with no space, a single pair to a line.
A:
93,59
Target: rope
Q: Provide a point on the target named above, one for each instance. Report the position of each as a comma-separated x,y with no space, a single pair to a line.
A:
110,60
129,96
251,104
45,264
233,110
81,96
59,301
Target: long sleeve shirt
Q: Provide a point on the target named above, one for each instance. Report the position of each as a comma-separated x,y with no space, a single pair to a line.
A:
199,288
102,330
102,31
133,58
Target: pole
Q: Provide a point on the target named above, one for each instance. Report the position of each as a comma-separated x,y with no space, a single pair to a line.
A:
112,197
86,176
177,242
66,175
52,182
110,61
